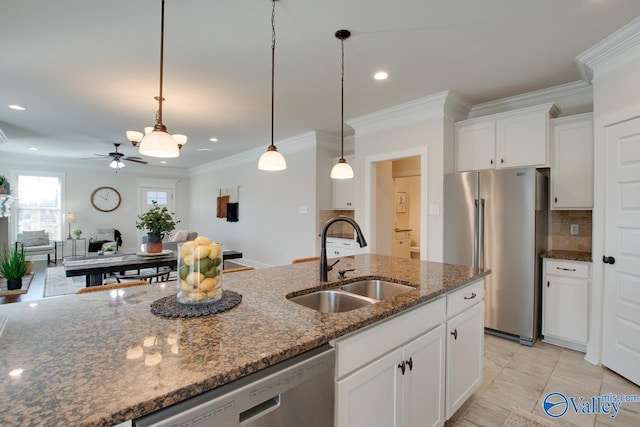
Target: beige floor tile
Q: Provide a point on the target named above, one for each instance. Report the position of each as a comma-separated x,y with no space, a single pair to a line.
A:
462,410
629,415
528,363
510,395
486,413
614,383
571,365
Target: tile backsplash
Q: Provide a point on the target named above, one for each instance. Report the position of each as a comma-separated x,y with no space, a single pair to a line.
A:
561,237
339,229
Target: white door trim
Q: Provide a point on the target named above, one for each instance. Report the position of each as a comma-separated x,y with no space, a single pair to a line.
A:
370,199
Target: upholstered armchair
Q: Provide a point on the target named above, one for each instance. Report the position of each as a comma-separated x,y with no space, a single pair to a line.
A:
35,243
103,237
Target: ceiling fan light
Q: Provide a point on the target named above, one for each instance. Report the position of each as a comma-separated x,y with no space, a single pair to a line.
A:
272,160
159,144
116,164
134,137
180,139
342,170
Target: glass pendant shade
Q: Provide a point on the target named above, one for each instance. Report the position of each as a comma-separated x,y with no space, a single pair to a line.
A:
342,170
272,160
180,139
134,136
116,164
159,144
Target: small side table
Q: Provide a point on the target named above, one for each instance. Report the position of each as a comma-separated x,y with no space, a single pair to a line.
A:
74,247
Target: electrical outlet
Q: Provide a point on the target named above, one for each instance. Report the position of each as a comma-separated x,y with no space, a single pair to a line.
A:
574,229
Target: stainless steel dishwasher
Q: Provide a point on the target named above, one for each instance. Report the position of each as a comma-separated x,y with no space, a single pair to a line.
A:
296,392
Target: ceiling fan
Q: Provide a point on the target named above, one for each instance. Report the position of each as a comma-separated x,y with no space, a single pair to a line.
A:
118,157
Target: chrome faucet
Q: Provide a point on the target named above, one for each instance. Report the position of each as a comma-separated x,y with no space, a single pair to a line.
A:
324,269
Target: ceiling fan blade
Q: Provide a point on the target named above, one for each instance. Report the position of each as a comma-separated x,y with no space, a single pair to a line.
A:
129,159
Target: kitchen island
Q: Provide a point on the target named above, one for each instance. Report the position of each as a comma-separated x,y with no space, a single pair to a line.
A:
102,358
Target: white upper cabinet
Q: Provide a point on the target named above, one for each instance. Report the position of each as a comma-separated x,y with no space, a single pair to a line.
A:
506,140
572,162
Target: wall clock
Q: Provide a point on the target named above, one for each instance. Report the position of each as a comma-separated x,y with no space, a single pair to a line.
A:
105,199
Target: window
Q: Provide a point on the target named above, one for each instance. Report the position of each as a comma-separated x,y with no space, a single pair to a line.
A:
158,196
40,204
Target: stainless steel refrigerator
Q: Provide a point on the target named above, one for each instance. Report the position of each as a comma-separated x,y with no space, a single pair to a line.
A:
497,220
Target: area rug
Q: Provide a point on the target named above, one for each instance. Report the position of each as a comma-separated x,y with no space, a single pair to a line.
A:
56,283
521,418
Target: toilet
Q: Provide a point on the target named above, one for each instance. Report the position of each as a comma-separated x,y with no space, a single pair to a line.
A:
415,252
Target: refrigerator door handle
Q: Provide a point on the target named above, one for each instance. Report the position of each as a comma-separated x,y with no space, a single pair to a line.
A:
474,258
481,234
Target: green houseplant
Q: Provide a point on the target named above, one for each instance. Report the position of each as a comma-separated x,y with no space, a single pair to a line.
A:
3,185
13,266
156,221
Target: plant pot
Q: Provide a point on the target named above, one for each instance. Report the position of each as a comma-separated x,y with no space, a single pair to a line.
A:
154,242
13,284
2,190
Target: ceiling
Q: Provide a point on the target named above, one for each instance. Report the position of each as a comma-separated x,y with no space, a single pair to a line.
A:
86,71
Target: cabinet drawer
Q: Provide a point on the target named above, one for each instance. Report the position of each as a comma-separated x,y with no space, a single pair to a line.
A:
361,347
400,235
567,268
464,298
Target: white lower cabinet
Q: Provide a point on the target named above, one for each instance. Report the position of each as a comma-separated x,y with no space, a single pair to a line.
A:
465,344
414,368
565,295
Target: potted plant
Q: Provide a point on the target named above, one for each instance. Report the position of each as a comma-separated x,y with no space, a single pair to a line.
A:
157,221
77,233
13,266
4,184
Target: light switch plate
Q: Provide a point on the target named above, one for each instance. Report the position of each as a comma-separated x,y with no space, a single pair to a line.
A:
434,209
302,210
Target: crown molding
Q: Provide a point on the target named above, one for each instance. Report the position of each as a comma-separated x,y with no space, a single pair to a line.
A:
612,52
3,138
409,113
531,99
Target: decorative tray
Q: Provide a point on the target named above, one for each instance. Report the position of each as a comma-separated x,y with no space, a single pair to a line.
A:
163,253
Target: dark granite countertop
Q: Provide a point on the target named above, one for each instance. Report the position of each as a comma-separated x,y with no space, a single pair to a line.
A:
567,255
102,358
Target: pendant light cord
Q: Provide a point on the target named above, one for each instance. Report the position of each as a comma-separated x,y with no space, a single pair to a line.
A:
342,104
273,55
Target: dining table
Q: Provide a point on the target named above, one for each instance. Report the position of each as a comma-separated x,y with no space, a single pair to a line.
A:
95,267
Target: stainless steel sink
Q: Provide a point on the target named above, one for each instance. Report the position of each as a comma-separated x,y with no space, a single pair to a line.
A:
332,301
377,289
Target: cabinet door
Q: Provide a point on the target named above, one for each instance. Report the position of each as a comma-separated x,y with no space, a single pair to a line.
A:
369,397
565,308
522,140
475,145
465,334
342,194
572,165
423,382
402,248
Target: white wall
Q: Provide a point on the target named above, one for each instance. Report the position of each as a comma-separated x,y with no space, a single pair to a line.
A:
81,178
271,230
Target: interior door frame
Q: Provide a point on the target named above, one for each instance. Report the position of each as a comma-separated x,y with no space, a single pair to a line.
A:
370,194
157,183
596,289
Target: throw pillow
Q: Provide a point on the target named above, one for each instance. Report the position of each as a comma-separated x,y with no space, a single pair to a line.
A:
35,241
179,235
104,234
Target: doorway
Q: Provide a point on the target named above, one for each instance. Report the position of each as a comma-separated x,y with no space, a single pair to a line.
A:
395,195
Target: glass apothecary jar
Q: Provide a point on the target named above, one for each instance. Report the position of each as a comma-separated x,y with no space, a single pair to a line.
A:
199,271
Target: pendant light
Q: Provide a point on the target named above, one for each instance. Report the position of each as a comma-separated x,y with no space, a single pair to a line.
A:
156,142
272,160
342,170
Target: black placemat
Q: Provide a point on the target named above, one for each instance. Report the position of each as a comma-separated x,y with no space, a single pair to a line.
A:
170,307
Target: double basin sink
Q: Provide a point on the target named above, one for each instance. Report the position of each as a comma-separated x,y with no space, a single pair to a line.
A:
352,295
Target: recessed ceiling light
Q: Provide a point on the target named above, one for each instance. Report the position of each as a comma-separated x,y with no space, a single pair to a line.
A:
380,75
213,139
204,149
17,107
33,149
164,162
